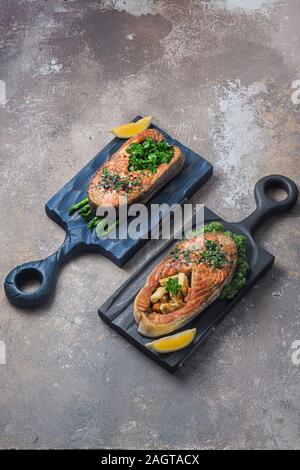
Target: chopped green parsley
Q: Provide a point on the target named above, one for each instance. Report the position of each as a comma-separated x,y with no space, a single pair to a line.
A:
239,278
172,286
149,155
213,255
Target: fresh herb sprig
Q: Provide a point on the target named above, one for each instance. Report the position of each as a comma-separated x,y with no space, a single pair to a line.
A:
172,286
214,227
239,278
213,255
149,155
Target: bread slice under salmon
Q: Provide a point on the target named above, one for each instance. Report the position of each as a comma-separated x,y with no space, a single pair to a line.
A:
148,183
206,283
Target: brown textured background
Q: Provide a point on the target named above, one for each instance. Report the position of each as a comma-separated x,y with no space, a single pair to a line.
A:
218,76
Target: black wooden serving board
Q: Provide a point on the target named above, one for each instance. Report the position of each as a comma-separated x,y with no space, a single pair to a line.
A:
117,311
79,238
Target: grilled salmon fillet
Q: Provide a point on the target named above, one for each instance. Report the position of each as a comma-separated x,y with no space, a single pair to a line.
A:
140,186
205,282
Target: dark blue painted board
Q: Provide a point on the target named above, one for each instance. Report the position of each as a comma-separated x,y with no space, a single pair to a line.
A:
79,238
195,172
117,311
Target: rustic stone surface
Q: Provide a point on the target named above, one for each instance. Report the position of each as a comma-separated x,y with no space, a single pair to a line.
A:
218,75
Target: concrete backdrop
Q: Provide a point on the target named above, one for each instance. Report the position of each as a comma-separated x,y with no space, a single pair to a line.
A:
218,75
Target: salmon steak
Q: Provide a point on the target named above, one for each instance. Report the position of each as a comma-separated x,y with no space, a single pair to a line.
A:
136,172
184,283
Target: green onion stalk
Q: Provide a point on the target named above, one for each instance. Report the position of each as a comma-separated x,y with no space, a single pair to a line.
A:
98,222
78,205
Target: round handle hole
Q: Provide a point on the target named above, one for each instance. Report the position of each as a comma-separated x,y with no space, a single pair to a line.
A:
276,194
29,280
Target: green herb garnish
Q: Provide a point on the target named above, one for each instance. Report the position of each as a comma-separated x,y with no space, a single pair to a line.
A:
175,252
172,286
186,255
239,278
214,227
149,155
213,255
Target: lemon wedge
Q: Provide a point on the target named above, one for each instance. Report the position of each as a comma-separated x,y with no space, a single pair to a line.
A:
132,128
172,343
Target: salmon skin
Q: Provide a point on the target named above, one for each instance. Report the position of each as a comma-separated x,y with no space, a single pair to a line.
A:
138,186
205,282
